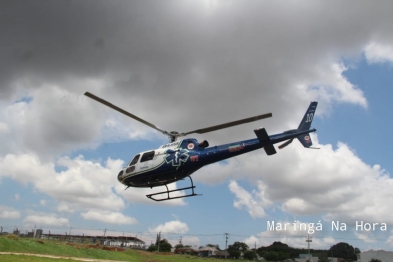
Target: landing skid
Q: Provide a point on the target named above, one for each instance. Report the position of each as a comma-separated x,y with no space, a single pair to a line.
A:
151,196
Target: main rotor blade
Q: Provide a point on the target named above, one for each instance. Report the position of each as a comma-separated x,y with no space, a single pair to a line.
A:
229,124
102,101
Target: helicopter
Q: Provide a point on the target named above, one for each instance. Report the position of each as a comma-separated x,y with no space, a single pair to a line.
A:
179,159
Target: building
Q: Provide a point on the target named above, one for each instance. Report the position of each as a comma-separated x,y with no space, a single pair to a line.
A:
186,250
207,252
16,232
306,259
115,241
222,254
38,233
384,256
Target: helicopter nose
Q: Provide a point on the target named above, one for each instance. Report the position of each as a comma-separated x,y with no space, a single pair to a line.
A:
120,176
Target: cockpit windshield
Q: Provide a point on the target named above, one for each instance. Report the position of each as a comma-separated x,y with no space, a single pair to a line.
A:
135,160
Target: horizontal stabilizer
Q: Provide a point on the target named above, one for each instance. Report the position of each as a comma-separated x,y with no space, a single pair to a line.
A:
262,135
270,150
263,138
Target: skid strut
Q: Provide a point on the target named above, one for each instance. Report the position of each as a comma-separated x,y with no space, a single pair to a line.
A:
151,196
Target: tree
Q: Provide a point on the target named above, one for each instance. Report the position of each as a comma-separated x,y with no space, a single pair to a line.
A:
179,246
165,246
277,245
152,248
249,255
343,250
282,251
236,249
271,256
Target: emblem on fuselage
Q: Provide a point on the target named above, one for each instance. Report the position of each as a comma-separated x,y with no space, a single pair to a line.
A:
176,157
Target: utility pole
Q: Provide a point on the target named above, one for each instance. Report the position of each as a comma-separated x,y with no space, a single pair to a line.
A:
308,243
226,244
158,244
255,248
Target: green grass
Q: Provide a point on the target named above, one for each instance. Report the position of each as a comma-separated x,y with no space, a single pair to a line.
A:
11,243
21,258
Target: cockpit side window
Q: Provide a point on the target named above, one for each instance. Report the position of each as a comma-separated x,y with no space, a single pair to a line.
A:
135,160
204,144
147,156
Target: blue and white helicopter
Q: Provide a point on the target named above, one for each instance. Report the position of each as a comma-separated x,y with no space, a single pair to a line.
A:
180,158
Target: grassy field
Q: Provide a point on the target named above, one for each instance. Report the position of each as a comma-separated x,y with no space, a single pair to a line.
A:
11,243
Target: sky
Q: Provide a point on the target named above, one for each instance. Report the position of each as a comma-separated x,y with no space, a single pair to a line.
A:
184,65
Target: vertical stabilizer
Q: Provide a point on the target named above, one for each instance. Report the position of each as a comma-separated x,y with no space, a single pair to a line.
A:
308,117
306,124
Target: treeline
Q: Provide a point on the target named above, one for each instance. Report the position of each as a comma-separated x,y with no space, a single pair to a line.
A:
281,251
275,252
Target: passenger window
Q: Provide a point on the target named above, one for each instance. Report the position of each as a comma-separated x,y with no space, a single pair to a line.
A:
147,156
135,160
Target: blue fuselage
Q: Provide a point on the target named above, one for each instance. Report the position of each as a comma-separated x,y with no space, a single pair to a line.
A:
177,160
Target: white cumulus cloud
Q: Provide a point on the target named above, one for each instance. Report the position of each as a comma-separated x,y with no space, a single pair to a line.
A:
378,52
109,217
45,219
83,184
7,212
170,227
254,202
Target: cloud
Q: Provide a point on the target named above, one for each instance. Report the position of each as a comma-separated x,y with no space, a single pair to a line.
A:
252,241
82,184
170,227
333,87
331,181
4,127
203,56
51,120
8,212
365,236
389,240
109,217
378,52
45,219
254,202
